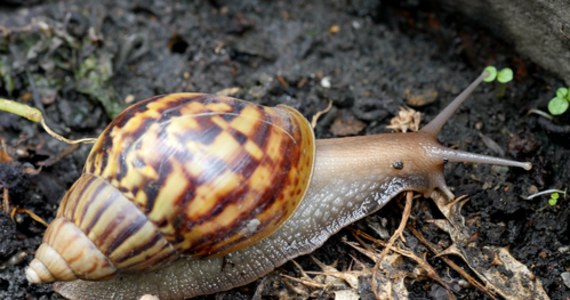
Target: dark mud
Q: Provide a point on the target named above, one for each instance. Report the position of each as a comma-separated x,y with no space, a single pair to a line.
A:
368,57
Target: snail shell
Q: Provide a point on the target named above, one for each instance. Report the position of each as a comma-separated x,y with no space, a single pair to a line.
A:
183,174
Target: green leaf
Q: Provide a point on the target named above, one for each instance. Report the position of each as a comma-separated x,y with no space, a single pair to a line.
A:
505,75
562,93
553,199
557,106
92,78
492,74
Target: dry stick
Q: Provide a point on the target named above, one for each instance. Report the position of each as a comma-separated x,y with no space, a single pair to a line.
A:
316,117
7,208
397,233
452,264
400,230
305,279
5,200
407,253
61,138
307,282
56,158
19,210
303,274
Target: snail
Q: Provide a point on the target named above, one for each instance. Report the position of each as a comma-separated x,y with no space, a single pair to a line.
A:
189,194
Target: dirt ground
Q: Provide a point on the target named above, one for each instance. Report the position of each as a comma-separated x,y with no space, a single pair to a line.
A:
82,61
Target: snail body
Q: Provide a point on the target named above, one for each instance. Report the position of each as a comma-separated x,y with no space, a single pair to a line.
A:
190,194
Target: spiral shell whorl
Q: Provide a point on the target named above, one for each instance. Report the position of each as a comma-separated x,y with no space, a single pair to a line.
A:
183,174
97,231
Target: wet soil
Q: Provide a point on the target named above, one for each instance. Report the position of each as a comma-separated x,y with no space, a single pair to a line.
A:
367,57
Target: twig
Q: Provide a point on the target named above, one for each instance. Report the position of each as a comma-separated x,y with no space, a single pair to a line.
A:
407,253
68,141
316,117
5,200
19,210
54,159
400,230
395,236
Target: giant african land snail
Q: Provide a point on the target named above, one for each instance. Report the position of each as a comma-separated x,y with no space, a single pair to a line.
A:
190,194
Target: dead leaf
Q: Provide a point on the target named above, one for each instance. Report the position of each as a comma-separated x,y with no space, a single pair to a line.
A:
228,92
407,120
420,99
495,266
347,124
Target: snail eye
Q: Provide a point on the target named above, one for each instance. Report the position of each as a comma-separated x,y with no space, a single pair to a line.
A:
398,165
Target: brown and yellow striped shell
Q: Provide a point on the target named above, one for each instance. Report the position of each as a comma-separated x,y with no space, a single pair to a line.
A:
182,174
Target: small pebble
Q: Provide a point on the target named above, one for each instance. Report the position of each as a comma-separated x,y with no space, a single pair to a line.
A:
464,283
566,279
17,258
129,99
334,29
532,189
421,98
356,25
326,82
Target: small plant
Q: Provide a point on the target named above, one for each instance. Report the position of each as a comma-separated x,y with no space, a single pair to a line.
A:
553,199
559,104
34,115
554,195
503,76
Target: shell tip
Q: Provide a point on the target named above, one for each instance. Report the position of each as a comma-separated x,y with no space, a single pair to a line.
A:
37,272
32,276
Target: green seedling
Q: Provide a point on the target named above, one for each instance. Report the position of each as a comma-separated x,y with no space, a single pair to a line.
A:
553,199
503,76
34,115
554,195
559,104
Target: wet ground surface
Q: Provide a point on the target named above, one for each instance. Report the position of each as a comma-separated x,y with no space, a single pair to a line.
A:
81,63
